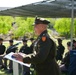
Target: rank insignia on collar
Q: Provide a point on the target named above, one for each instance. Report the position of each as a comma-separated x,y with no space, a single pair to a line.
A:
44,38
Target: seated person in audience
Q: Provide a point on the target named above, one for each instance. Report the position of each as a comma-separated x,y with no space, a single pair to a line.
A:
11,48
60,50
25,49
31,49
66,60
74,44
2,51
31,46
72,65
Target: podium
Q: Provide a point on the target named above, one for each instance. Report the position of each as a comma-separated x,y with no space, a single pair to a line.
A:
15,63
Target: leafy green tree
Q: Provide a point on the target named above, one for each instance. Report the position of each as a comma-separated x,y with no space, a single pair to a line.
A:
63,26
52,22
19,26
24,25
75,27
5,24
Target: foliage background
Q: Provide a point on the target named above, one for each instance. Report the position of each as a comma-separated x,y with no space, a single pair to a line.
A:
63,27
18,27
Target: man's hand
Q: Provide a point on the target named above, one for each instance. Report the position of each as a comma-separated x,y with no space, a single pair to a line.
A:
18,57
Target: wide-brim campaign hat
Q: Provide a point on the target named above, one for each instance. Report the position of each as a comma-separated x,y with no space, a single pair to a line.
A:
41,21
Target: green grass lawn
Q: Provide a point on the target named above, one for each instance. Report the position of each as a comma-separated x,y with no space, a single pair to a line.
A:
2,72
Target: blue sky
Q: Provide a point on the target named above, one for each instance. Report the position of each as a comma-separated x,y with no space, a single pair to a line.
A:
15,3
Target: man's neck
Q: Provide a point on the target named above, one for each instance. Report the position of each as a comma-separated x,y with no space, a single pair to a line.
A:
42,31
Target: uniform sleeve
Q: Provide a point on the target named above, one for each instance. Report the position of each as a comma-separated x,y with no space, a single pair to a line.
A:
44,49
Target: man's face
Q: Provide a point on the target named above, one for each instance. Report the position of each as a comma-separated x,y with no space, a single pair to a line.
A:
37,29
24,43
69,48
1,42
10,43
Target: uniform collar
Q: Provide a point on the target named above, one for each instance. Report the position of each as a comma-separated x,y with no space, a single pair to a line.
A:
44,32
